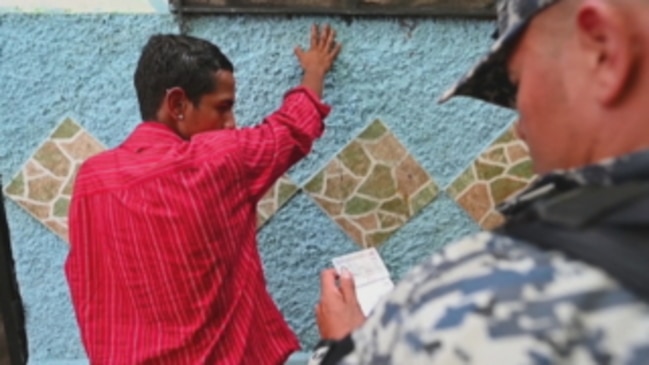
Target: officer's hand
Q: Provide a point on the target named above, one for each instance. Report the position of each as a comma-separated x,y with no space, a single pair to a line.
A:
338,313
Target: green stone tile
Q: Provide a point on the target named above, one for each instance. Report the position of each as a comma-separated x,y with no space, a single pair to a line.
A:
315,185
374,131
67,129
351,230
367,222
58,228
375,192
333,208
498,155
67,190
423,198
355,159
51,157
517,152
461,183
39,211
387,150
261,220
410,176
267,205
389,221
341,187
380,184
377,238
44,189
358,206
82,147
487,171
505,138
17,186
48,172
286,191
274,199
397,206
499,174
504,187
524,170
61,207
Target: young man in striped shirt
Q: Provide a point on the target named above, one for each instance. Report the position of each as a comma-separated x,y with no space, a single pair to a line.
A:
163,266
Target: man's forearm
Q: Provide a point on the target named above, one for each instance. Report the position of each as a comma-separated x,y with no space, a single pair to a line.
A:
314,81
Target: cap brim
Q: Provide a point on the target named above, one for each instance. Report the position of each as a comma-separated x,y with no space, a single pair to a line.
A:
489,79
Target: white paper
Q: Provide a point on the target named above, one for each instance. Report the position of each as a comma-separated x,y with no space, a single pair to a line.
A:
371,277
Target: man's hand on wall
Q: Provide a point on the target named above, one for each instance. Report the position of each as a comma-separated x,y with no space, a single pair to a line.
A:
318,59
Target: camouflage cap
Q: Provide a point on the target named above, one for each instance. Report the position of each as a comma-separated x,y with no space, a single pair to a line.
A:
489,79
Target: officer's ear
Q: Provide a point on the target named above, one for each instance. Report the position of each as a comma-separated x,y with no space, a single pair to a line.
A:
605,39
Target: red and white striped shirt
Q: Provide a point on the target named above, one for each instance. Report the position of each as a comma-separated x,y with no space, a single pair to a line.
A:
163,266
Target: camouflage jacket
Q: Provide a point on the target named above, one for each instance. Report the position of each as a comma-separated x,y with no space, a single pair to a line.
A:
489,299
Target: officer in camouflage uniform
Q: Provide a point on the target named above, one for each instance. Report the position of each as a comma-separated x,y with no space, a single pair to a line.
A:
577,71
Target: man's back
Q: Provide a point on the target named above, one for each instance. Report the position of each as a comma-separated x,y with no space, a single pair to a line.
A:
172,253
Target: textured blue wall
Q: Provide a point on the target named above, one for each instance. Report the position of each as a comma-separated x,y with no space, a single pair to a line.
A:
80,66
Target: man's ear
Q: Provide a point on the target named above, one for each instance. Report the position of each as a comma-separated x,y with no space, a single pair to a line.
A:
174,102
605,37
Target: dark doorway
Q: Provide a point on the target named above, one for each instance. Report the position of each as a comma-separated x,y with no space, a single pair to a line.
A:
13,340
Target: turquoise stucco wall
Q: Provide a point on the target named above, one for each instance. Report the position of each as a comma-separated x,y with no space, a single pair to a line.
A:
54,66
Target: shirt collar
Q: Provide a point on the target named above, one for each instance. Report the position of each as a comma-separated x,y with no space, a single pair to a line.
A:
614,171
149,134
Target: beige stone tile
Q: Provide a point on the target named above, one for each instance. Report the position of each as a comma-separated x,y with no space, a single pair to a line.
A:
278,195
500,172
82,147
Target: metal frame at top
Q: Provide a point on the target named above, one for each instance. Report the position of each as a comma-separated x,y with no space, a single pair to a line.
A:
460,8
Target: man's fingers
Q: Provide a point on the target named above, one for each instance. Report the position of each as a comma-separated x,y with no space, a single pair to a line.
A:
328,283
324,37
347,286
314,35
335,51
298,52
331,39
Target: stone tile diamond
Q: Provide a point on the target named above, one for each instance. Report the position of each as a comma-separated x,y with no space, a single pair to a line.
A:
500,172
372,187
44,185
274,199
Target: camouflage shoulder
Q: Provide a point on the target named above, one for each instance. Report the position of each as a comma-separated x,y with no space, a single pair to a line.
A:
491,299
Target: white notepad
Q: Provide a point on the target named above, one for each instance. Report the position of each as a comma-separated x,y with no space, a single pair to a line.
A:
370,275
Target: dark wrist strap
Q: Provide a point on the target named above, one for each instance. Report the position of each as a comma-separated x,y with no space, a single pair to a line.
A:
320,351
330,352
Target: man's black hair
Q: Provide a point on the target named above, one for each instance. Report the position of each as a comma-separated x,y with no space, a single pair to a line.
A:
170,60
